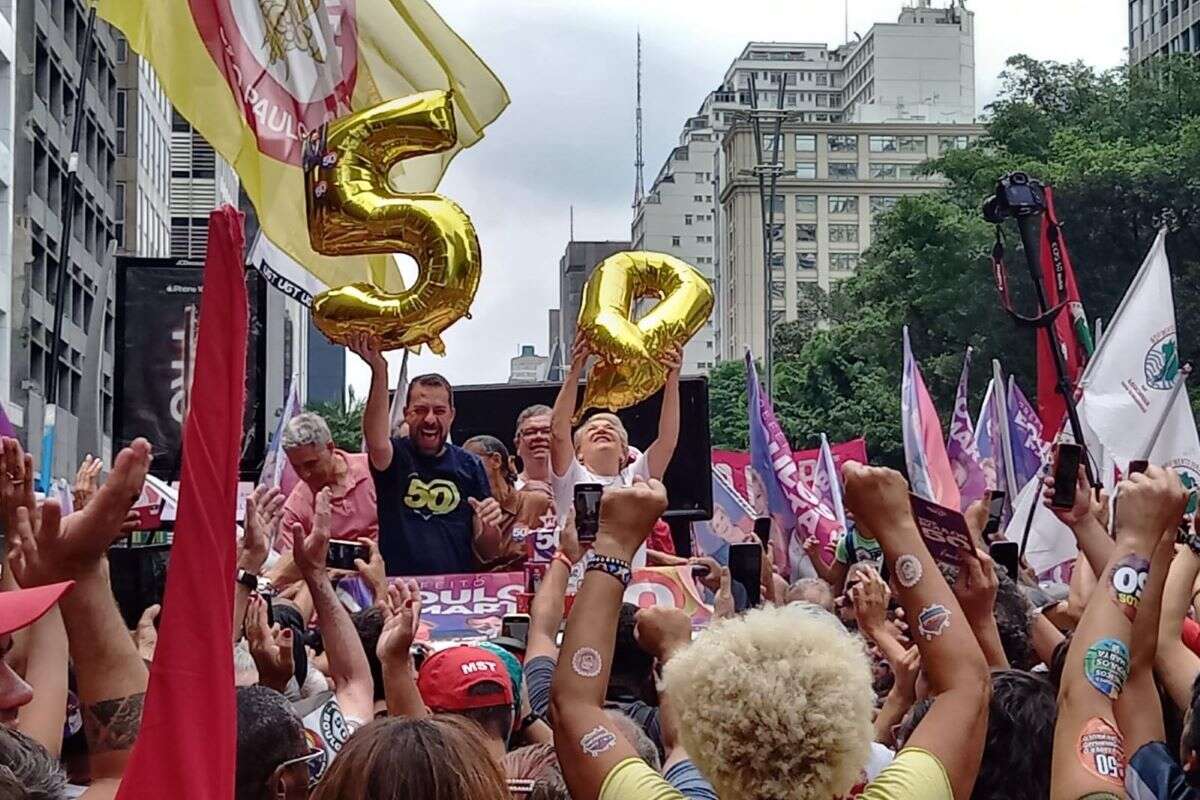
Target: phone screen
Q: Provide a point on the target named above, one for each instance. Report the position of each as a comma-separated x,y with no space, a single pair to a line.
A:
762,529
995,513
1067,458
1137,466
745,567
342,553
587,511
1007,555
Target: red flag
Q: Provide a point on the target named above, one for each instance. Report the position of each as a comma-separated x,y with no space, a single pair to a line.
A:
188,741
1058,281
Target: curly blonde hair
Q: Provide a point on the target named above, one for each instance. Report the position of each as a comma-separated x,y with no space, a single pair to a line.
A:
775,704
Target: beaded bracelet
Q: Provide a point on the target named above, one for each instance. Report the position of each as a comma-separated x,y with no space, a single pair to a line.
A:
621,570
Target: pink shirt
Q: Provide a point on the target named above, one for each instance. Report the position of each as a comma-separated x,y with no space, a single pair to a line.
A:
351,504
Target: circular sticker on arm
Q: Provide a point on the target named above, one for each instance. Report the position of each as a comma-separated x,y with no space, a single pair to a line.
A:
1127,581
1102,751
1106,665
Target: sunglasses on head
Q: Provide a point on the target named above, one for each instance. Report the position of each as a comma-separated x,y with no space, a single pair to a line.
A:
294,779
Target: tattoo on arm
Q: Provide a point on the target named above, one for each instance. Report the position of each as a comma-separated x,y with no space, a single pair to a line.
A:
112,725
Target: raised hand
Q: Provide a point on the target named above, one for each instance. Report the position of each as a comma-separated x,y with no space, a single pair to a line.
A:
145,635
1085,500
723,604
16,484
373,570
85,481
672,359
488,511
401,621
660,631
86,534
904,672
263,508
628,514
976,588
876,496
310,549
367,347
870,596
270,647
580,350
568,538
1147,504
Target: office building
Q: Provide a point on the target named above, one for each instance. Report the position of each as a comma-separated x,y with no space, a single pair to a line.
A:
8,77
574,268
677,217
49,37
143,137
838,178
528,366
1162,27
201,180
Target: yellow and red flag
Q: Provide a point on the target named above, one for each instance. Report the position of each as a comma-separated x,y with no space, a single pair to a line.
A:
254,77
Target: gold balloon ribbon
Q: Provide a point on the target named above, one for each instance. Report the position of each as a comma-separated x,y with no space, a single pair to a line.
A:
629,368
352,210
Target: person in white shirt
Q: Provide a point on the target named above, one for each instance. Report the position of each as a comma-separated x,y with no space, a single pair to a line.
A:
599,452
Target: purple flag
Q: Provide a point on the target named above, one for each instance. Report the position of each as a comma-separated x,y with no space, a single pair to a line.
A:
1029,452
827,483
792,505
961,447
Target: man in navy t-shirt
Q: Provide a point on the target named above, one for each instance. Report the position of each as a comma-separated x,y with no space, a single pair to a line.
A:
434,497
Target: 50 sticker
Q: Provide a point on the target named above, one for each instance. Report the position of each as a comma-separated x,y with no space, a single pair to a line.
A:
439,496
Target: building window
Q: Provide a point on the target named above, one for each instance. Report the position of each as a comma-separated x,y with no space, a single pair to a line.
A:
806,143
674,241
768,145
884,144
881,204
776,262
953,143
843,262
703,240
806,204
806,170
697,198
843,233
122,110
912,144
843,204
884,172
843,172
806,232
806,260
843,143
687,219
822,79
778,204
122,49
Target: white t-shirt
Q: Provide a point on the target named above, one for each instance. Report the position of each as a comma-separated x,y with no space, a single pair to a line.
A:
564,489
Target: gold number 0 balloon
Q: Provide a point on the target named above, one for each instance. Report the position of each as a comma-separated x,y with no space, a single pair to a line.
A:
628,370
352,210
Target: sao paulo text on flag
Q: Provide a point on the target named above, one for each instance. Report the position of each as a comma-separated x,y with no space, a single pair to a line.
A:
929,470
255,79
961,448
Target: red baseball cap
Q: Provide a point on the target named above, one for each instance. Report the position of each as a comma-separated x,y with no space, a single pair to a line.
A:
447,676
26,606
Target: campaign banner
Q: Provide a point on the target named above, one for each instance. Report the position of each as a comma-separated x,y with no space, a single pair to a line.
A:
946,535
157,313
733,464
732,522
472,606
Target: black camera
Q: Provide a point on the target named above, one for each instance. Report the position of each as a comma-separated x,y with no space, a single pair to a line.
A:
1017,195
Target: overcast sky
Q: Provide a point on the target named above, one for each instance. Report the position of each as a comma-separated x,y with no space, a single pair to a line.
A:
568,136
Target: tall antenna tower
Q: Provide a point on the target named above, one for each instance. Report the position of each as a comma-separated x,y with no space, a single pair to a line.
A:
638,164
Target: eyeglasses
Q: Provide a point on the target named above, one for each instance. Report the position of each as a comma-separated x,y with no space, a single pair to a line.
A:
529,433
297,784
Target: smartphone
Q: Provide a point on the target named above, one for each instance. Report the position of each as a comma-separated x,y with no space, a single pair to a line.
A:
1067,457
515,626
762,529
745,567
1138,465
1007,555
342,553
995,512
587,511
700,570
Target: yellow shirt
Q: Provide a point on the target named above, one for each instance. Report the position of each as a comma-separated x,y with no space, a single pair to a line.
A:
915,774
633,779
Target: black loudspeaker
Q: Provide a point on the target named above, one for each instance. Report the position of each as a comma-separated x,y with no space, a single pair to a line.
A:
493,410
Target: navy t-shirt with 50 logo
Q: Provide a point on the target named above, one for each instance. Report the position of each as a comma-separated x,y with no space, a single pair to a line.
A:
425,521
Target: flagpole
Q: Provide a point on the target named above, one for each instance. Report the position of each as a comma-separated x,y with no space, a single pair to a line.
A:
1184,373
1001,400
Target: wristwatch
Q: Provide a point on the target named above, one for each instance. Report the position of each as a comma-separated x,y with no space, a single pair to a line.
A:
529,721
247,579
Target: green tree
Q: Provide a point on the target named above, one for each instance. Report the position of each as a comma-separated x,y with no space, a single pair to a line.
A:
344,420
1121,148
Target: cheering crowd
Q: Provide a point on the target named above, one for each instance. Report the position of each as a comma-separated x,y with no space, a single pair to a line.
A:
879,679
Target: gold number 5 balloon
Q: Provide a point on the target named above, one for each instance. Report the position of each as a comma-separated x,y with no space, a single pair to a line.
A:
629,368
352,210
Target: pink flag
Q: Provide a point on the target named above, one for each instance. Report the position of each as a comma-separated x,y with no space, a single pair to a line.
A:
961,447
929,470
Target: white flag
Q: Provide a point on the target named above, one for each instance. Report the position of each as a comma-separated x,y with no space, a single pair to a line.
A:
1051,548
1127,384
